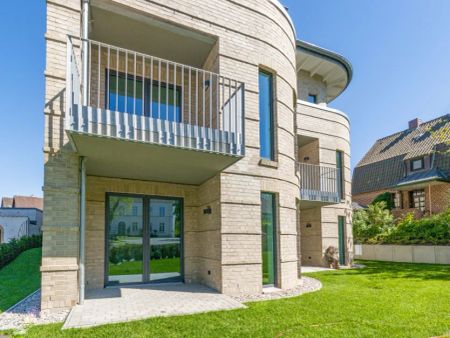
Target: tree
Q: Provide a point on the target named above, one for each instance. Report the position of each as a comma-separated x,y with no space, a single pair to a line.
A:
371,222
387,198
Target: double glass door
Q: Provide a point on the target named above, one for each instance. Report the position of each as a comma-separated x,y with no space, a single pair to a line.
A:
144,239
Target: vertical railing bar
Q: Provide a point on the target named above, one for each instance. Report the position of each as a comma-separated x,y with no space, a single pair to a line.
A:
143,89
218,102
159,89
190,96
174,91
210,100
151,87
98,75
236,114
196,97
230,138
126,81
107,78
204,102
182,95
134,86
117,80
88,85
167,89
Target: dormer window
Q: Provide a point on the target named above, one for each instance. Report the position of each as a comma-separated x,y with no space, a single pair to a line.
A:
312,98
417,164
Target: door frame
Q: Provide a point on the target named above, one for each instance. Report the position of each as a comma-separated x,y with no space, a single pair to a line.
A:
342,240
145,244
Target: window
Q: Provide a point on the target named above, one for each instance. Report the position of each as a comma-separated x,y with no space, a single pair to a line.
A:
266,118
417,164
162,226
417,199
127,95
268,224
312,98
340,173
341,233
398,200
135,211
162,211
134,226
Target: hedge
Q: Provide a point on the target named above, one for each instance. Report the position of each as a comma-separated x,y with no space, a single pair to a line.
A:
431,230
9,251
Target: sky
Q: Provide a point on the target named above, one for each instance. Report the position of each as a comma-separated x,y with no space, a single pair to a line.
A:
399,49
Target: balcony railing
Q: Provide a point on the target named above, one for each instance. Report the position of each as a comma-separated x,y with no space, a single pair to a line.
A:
142,98
319,183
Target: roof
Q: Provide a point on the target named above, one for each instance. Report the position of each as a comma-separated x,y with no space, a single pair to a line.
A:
7,202
335,69
383,165
28,202
433,174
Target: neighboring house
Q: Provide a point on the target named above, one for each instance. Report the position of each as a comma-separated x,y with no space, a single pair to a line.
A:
194,133
413,165
20,216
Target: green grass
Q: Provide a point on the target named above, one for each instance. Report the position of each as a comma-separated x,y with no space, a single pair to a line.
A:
20,278
156,266
382,300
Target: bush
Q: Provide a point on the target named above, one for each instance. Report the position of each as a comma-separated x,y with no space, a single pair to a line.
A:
433,230
371,222
385,197
9,251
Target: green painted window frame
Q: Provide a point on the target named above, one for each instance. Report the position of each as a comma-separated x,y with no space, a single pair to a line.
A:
341,240
266,117
340,178
272,279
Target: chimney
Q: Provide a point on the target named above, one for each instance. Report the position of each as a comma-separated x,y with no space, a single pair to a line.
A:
413,124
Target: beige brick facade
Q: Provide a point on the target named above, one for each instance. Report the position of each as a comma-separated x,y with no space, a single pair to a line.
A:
221,249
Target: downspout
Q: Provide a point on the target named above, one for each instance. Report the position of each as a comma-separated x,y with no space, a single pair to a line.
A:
82,227
84,81
85,51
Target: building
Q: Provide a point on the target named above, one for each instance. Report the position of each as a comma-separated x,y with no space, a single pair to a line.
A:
413,165
20,216
189,141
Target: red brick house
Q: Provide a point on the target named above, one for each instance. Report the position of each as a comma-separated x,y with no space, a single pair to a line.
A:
413,165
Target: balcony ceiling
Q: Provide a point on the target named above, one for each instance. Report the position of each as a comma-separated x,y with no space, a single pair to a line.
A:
334,69
127,28
109,157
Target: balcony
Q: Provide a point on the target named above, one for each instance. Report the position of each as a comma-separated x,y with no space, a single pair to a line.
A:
319,185
142,117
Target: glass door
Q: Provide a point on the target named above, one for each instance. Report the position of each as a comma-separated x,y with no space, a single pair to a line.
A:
165,219
125,229
341,231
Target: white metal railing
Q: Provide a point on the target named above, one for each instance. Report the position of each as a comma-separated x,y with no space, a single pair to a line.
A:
143,98
319,183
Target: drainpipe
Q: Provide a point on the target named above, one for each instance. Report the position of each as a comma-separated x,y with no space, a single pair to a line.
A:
82,226
85,51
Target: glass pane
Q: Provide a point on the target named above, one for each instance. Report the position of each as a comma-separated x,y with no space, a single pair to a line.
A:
340,178
125,245
125,100
266,115
165,239
268,237
166,102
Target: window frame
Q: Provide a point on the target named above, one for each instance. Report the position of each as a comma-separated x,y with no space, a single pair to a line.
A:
147,100
271,119
275,227
340,179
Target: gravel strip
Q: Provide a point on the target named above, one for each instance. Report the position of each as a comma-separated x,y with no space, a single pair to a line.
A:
306,285
28,312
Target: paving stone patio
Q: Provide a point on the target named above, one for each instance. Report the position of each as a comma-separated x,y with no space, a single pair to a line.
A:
122,304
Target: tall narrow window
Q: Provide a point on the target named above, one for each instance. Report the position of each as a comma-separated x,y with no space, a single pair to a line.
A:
340,173
268,224
312,98
341,225
266,118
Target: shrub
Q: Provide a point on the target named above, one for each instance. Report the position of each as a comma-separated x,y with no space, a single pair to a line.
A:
9,251
371,222
432,230
385,197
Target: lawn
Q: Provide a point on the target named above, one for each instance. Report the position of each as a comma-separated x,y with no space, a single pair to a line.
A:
381,300
20,278
135,267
